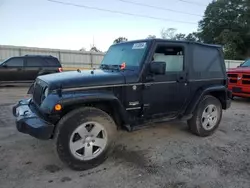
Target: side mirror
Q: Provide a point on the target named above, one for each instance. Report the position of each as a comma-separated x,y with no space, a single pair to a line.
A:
4,65
157,67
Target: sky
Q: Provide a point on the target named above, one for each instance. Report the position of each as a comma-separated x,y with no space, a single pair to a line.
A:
45,24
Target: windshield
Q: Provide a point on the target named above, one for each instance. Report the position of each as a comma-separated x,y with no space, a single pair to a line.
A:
246,63
129,53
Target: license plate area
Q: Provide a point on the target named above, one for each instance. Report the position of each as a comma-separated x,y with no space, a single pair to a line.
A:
236,90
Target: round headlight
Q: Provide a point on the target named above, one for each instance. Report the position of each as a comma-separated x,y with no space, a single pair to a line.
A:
46,92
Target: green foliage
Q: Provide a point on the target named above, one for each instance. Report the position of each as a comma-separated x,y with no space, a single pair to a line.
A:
119,40
168,33
193,37
171,34
227,22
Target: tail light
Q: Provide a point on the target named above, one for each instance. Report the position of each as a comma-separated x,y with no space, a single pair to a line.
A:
60,69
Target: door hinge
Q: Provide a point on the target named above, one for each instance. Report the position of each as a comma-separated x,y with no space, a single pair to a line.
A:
147,85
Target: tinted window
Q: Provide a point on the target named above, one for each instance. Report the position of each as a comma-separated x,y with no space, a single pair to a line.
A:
246,63
207,62
35,62
172,56
207,59
15,62
52,62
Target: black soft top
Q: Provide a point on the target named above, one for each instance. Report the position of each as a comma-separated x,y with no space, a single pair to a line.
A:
173,41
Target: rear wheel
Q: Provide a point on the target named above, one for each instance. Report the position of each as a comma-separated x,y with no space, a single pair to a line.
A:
207,117
85,137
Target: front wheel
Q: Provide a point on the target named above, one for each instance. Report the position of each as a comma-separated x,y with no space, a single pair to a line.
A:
207,117
85,137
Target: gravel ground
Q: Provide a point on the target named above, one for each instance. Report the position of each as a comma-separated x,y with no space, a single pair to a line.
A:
166,156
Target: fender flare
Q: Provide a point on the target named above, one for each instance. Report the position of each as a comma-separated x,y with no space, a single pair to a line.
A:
96,97
200,94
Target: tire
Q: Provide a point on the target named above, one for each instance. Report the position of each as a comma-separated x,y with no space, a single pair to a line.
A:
69,136
204,123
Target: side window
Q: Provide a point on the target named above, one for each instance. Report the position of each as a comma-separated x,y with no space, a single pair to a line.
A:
52,62
15,62
34,62
173,56
207,63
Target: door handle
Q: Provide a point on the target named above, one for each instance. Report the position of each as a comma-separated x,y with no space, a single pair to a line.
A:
150,78
181,79
147,85
19,69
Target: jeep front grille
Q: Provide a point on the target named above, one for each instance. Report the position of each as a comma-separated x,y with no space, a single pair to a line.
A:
37,94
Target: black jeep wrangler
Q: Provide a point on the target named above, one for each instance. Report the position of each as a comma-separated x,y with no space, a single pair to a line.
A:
138,82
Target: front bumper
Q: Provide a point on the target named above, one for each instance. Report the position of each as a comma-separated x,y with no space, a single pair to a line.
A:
28,122
244,90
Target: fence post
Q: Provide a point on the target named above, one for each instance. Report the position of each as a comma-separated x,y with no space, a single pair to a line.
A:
59,56
20,51
91,59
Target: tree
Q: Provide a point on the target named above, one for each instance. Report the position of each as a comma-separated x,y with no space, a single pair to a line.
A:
193,37
227,22
171,34
179,36
83,49
94,49
119,40
151,37
168,33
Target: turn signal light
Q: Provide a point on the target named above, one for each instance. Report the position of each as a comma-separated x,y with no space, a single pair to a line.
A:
58,107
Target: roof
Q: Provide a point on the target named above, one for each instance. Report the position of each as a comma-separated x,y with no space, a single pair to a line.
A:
38,56
175,41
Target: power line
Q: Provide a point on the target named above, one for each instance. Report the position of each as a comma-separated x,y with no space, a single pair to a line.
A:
159,8
119,12
192,2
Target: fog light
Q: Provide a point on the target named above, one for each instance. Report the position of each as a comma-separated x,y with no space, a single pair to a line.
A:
58,107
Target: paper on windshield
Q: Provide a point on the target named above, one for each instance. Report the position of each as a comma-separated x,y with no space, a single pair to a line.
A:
140,45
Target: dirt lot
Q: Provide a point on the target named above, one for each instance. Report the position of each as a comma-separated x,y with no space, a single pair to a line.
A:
165,156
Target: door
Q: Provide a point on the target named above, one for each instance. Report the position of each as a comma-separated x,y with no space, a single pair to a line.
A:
165,95
33,66
12,70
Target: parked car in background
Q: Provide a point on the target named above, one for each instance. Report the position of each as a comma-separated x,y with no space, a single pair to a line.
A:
25,69
239,80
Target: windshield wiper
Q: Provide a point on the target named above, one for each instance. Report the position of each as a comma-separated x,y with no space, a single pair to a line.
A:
104,66
114,67
110,67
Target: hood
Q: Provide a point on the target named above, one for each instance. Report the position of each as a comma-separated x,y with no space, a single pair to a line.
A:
72,79
239,70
